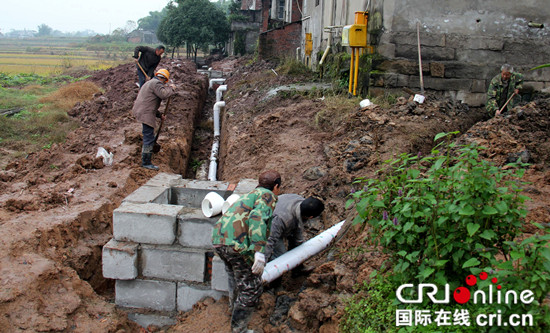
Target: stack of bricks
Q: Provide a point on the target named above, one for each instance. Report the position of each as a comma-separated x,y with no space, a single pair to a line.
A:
161,254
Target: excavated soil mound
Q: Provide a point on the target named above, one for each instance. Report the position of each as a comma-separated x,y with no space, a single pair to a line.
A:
56,205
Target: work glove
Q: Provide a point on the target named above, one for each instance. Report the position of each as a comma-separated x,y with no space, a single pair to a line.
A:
259,263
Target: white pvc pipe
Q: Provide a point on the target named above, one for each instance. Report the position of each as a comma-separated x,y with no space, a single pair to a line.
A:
212,204
218,81
219,92
298,255
217,107
213,169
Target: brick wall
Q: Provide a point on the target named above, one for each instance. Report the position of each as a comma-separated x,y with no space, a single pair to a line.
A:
280,42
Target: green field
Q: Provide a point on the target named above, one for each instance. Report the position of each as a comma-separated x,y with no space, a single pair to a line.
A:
46,56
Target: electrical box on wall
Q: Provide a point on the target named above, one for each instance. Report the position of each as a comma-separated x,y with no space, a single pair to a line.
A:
309,44
354,35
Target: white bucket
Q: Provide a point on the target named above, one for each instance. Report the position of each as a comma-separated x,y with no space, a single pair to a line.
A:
419,98
229,201
212,204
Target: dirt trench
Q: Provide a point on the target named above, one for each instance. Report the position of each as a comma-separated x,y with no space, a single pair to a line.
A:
55,220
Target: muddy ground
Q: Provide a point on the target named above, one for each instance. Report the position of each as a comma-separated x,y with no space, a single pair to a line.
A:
56,205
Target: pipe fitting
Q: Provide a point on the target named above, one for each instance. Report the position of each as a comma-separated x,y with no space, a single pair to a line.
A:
219,92
215,81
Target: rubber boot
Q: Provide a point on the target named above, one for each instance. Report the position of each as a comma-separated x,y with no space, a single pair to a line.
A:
146,154
240,318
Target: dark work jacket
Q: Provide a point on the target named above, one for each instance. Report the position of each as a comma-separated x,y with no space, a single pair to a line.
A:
148,59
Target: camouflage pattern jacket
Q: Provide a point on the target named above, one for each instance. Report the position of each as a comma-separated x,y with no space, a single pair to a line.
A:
245,225
498,91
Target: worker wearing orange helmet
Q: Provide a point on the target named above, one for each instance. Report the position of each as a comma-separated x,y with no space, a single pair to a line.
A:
146,111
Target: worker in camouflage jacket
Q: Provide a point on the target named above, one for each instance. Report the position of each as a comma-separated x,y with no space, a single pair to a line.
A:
504,86
239,238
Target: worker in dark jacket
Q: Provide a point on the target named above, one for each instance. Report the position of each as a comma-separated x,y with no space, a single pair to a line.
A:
148,61
239,238
503,87
146,111
290,214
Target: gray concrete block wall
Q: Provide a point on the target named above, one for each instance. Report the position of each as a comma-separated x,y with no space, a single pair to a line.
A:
173,263
145,223
148,294
219,275
161,253
120,260
189,295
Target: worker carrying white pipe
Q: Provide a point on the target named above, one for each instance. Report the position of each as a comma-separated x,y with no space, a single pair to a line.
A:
239,238
290,214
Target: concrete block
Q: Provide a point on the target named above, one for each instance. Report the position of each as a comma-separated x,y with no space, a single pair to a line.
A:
472,99
192,197
245,186
487,57
533,86
145,223
459,70
119,260
429,53
189,295
144,320
203,184
219,275
155,295
146,194
475,42
164,180
387,50
436,83
411,38
173,263
195,229
437,69
479,86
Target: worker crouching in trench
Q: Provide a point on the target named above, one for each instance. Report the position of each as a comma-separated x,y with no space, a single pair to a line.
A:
146,111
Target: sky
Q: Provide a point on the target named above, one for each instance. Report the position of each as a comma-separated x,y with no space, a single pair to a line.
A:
101,16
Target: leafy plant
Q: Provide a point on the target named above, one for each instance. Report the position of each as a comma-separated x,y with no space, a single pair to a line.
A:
442,215
371,309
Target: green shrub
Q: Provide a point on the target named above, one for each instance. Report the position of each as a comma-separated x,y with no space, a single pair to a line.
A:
442,215
449,215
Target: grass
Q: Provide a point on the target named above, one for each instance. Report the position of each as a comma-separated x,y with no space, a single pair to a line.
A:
43,120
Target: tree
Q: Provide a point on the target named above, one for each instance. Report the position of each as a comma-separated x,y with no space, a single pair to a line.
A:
152,21
196,23
44,30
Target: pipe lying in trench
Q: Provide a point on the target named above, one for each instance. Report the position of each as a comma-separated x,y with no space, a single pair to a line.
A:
298,255
213,169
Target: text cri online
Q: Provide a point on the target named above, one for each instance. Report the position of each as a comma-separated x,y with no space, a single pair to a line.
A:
459,318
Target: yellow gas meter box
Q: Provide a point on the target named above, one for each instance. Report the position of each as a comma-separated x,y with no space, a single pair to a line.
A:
354,35
309,44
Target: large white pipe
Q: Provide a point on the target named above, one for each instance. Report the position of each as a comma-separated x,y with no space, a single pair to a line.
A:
213,81
219,92
298,255
217,107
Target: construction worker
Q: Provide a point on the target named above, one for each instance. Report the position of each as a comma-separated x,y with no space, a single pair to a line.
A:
148,61
291,213
239,238
146,111
504,88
